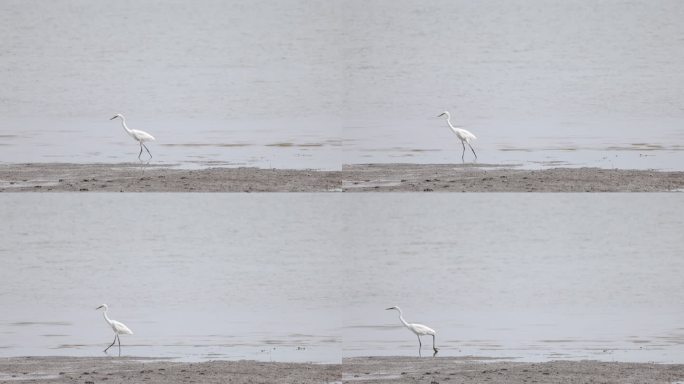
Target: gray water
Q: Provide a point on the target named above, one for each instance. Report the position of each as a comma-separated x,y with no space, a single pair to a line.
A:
534,277
194,276
307,277
317,84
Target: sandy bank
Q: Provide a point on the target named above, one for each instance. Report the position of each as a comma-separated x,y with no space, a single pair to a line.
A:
490,178
352,178
136,178
132,370
352,370
468,370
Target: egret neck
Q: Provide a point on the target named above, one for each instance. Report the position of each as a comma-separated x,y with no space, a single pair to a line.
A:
106,317
125,127
401,318
449,120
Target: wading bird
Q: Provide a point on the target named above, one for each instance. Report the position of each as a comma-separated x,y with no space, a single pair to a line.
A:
118,327
464,135
140,136
418,329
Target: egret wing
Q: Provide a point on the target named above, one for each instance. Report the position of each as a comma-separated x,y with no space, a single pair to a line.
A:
142,135
468,135
121,328
423,329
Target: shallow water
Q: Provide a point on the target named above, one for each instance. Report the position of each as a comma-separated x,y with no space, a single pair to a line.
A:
528,276
194,276
317,84
197,277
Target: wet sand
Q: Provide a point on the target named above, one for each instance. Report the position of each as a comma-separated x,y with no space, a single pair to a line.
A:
494,178
352,178
136,178
353,370
140,370
474,370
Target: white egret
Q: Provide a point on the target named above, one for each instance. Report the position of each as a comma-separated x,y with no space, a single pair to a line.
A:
418,329
118,327
140,136
464,135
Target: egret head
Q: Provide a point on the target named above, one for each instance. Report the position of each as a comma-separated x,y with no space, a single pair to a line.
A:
395,308
117,115
445,113
103,306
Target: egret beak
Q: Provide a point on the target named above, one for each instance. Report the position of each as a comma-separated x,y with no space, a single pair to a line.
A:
387,309
113,117
100,305
440,115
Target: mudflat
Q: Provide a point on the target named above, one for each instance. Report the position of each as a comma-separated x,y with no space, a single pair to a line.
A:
58,177
352,370
494,178
131,177
144,370
474,370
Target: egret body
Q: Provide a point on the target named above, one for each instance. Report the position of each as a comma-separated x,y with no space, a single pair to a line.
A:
418,329
464,135
140,136
118,327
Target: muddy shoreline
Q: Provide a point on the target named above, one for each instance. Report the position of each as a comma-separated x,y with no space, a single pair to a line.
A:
477,370
494,178
352,370
138,370
57,177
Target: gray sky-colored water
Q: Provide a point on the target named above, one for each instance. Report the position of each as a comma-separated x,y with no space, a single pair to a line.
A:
530,276
541,83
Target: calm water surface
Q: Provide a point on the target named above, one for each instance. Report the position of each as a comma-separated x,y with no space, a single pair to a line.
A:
194,276
527,276
317,84
306,277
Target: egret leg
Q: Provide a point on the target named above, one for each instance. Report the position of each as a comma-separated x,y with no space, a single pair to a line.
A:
463,154
433,345
471,148
118,338
140,152
148,151
110,345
